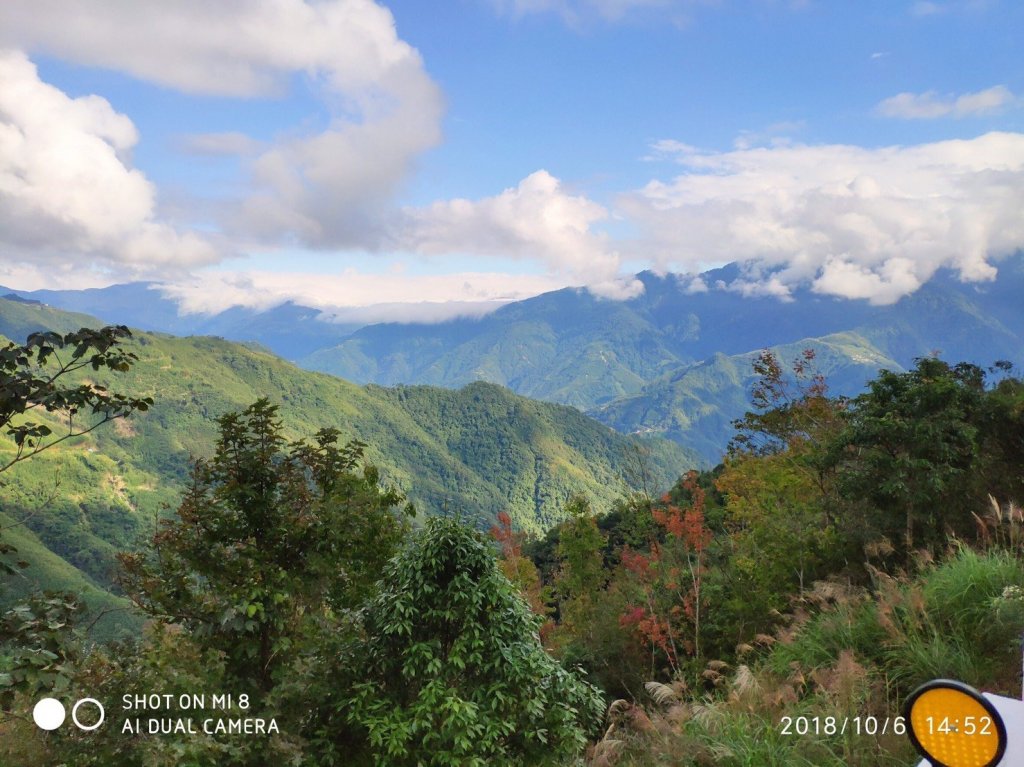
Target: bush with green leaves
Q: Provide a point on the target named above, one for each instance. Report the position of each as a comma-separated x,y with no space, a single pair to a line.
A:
454,670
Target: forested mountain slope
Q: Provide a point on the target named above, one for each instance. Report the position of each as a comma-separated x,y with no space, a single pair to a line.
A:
677,362
569,346
696,405
472,452
672,361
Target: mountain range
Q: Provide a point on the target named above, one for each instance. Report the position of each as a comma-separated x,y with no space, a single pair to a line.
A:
674,361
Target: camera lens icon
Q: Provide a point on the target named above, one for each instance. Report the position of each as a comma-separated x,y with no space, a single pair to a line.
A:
49,714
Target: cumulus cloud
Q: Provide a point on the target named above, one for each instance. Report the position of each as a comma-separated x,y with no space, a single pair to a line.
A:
67,187
228,48
930,105
351,296
537,219
335,189
330,188
325,189
848,221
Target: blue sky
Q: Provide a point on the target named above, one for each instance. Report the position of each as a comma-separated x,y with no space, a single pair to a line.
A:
454,154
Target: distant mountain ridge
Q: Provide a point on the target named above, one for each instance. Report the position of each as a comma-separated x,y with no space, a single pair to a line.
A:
569,346
675,362
289,330
696,405
618,360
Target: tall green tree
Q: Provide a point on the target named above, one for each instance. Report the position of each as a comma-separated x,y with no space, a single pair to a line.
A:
270,537
1002,438
791,407
780,536
580,550
454,672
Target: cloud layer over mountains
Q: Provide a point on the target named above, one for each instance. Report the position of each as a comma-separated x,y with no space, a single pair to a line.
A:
849,221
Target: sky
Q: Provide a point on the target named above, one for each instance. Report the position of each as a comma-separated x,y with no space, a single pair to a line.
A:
453,155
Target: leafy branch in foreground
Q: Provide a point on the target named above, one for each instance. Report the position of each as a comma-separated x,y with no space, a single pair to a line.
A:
33,376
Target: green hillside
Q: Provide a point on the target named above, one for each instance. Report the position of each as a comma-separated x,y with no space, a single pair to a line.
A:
499,451
660,352
696,405
473,452
47,571
18,318
565,347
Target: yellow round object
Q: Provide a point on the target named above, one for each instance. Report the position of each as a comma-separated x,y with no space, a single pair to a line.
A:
954,726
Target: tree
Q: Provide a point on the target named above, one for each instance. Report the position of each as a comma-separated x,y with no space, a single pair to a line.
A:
909,450
38,646
669,580
269,538
34,376
1001,438
580,550
779,534
520,570
455,673
789,408
779,485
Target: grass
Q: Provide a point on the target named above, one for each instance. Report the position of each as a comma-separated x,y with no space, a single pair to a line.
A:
845,653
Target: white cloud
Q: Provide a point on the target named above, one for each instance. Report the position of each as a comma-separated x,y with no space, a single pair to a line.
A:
929,105
332,188
336,189
352,296
535,220
849,221
68,191
228,48
324,189
776,134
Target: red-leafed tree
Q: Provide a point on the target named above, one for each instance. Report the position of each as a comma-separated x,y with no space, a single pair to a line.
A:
668,580
521,570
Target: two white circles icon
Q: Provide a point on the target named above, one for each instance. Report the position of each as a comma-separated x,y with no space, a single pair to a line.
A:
49,714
